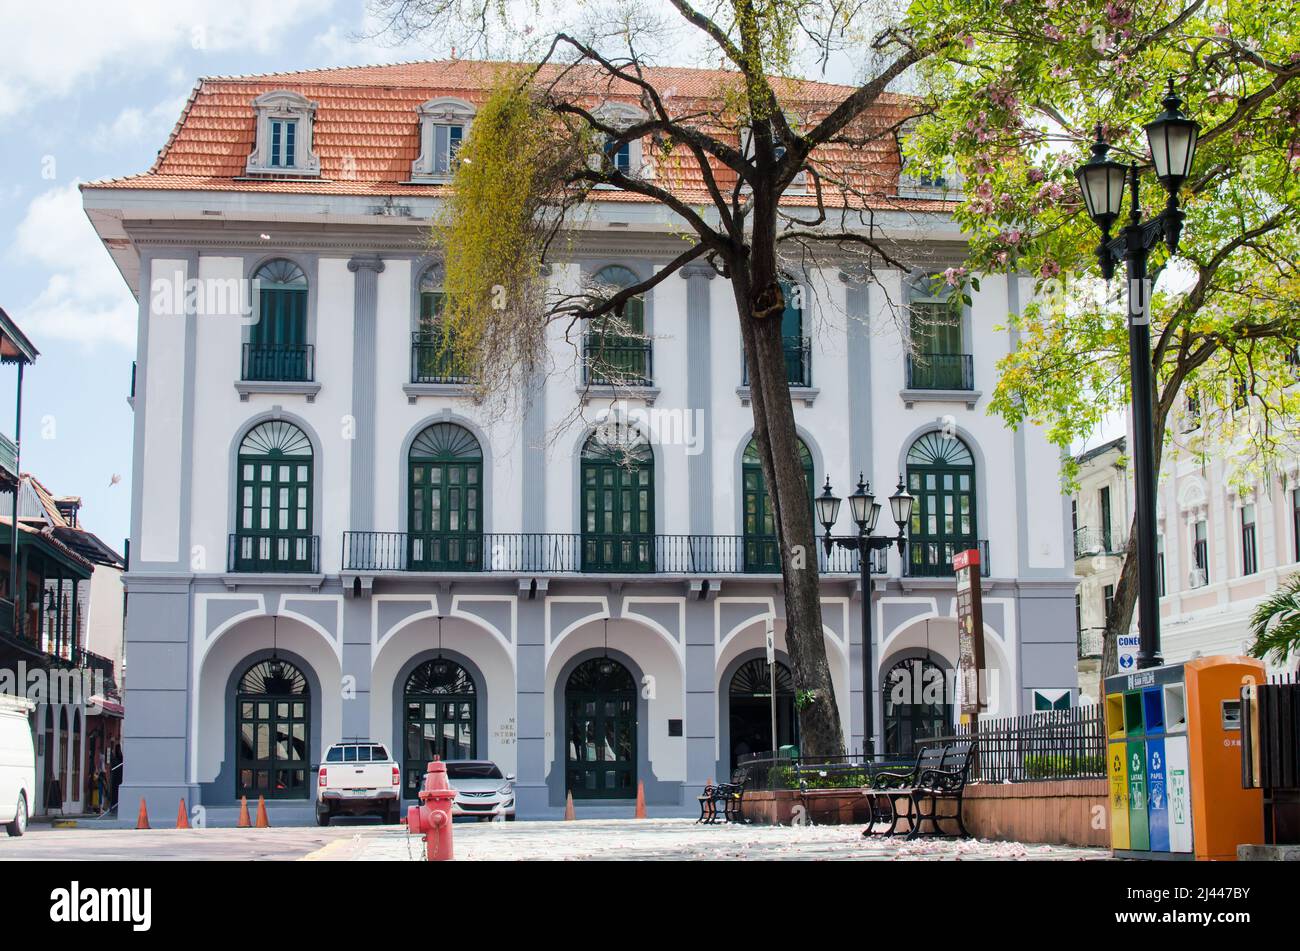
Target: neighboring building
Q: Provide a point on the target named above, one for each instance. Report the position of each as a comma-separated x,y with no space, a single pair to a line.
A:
46,598
1099,520
318,500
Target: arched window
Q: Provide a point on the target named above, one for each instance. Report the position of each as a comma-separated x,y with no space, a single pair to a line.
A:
941,478
600,727
916,704
277,347
762,551
750,708
445,511
274,527
618,492
617,352
433,355
441,718
272,731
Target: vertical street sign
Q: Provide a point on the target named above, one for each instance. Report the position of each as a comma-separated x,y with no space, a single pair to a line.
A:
970,636
769,640
1126,647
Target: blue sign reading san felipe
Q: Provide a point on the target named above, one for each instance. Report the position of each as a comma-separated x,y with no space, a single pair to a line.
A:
1157,796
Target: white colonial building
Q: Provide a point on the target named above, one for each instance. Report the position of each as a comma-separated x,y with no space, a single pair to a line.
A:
330,537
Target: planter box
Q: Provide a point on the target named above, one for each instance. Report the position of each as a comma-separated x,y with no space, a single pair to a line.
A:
1060,812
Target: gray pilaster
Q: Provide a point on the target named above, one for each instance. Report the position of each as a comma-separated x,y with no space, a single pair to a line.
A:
356,674
533,435
699,396
361,515
701,699
857,305
531,794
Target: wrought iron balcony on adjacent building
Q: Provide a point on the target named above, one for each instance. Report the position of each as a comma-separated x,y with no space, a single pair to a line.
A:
1090,542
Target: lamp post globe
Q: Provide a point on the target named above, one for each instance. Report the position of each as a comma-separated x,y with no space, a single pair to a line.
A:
900,505
828,507
860,503
1101,180
1172,137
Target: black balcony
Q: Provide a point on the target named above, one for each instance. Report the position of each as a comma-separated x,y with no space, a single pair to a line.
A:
273,552
434,361
557,553
617,364
798,362
932,558
280,364
940,371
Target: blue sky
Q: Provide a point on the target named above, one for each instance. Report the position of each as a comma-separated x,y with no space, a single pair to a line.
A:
88,91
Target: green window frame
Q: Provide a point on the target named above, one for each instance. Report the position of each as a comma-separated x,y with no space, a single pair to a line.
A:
445,500
277,348
441,719
273,732
617,351
274,500
938,357
433,354
941,479
618,501
600,703
762,550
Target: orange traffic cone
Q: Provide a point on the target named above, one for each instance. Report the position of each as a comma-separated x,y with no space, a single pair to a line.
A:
569,815
244,821
142,821
640,799
182,817
262,821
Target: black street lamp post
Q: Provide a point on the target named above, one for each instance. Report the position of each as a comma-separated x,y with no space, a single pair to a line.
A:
1172,138
865,510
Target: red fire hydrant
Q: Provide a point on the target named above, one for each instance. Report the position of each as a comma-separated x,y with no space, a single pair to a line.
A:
432,817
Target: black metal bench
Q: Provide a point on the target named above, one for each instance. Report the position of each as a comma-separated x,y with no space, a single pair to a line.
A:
939,776
722,801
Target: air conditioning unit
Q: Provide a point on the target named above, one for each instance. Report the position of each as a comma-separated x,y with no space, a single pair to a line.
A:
1196,578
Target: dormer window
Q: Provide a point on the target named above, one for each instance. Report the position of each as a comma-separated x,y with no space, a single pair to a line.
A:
284,135
797,184
444,125
621,157
915,181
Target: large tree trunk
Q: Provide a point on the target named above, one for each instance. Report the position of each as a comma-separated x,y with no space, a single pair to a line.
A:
774,434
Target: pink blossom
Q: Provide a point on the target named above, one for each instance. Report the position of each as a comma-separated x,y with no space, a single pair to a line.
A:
1049,269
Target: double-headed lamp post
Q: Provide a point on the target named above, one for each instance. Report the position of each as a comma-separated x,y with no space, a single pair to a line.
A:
1172,138
865,510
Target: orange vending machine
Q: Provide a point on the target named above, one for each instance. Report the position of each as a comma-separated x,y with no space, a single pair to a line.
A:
1173,753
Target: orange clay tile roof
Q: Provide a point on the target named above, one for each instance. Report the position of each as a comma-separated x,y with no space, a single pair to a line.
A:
367,135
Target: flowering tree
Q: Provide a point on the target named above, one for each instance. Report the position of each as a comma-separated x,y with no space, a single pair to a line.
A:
1017,115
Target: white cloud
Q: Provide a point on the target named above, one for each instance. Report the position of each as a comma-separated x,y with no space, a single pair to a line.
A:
133,124
58,45
85,298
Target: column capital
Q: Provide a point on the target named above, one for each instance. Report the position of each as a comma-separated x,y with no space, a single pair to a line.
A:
696,269
368,262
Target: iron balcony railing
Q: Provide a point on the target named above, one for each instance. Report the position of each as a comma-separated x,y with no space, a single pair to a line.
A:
798,362
273,552
282,363
932,558
1097,541
557,553
617,364
1091,640
433,360
940,371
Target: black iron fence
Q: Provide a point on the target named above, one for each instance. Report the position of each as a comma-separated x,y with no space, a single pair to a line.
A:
765,772
558,553
940,371
1049,744
287,363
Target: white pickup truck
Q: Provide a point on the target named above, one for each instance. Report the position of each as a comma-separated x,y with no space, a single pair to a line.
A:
358,777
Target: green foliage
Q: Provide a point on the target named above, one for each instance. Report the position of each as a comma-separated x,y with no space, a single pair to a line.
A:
1275,624
1055,765
1014,110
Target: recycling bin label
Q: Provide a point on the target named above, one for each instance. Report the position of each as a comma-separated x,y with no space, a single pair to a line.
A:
1157,796
1178,786
1138,836
1117,756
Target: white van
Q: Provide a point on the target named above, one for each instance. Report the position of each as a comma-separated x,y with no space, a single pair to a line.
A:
17,764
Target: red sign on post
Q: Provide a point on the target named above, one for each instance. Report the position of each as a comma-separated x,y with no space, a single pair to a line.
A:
970,634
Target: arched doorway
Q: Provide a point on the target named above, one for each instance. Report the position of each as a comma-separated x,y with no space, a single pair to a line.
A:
600,723
618,492
749,699
441,706
916,704
445,511
941,478
762,550
272,731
